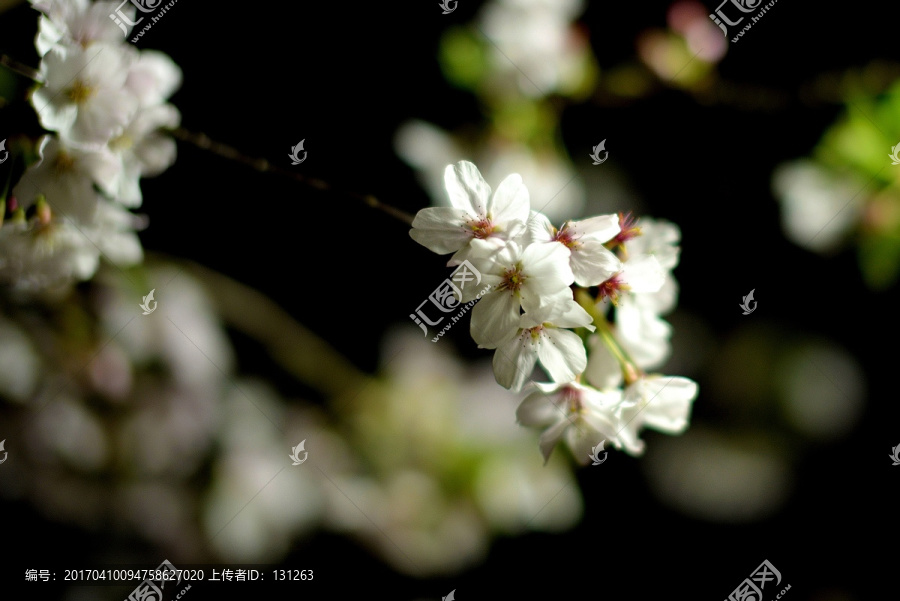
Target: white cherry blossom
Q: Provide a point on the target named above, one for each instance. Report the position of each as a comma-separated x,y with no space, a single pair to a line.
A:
591,262
541,337
78,23
36,256
152,77
66,175
141,151
520,279
474,214
639,326
84,98
658,238
642,274
578,414
656,401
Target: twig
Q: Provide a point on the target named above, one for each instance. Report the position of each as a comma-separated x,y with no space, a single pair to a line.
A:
262,165
20,68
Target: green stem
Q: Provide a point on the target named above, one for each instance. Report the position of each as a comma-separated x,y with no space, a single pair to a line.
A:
630,371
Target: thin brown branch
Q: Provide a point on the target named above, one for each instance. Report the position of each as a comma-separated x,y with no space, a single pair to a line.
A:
262,165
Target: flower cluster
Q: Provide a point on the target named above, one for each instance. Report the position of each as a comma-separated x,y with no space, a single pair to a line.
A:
104,103
584,300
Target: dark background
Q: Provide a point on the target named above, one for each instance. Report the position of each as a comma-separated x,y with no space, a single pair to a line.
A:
343,76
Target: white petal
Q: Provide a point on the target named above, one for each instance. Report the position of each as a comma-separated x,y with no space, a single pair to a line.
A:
55,114
658,238
538,409
548,275
488,254
547,261
602,228
103,117
603,370
440,229
155,154
539,228
573,316
562,354
627,435
514,361
103,167
153,77
510,201
498,254
495,319
563,313
592,263
643,334
669,402
550,437
584,435
644,274
466,188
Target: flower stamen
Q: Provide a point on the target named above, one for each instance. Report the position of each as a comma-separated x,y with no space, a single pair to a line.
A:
612,288
79,93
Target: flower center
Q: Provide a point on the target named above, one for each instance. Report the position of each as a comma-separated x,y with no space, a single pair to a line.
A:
570,399
513,279
120,143
629,230
567,237
481,228
80,92
535,332
64,164
612,288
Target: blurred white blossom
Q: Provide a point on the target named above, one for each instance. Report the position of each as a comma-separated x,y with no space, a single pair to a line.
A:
535,49
104,103
77,23
554,187
449,467
818,207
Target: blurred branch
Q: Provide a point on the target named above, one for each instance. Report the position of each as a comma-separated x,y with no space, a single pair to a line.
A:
263,166
20,68
634,81
297,349
5,5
